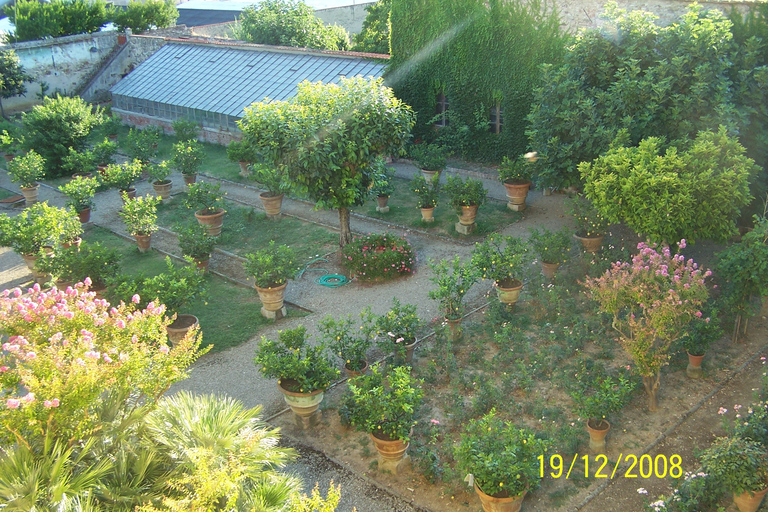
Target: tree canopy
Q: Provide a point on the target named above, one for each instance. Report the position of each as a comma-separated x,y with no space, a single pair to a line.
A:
12,77
35,20
143,16
374,37
327,137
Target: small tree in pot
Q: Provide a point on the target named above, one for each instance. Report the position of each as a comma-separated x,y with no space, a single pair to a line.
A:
591,225
142,144
240,152
427,193
430,158
453,280
207,200
10,144
516,176
196,243
187,158
79,163
396,331
552,248
26,170
104,153
271,268
466,197
140,217
75,264
112,125
185,130
277,183
504,259
123,177
383,184
80,193
158,174
741,466
349,343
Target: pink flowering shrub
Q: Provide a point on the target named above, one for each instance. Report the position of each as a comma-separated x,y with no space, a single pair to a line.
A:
652,299
68,353
379,256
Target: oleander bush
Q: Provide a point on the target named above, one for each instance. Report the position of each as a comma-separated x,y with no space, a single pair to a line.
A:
379,256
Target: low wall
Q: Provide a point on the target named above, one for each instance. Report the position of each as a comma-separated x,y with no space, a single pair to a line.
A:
350,17
214,136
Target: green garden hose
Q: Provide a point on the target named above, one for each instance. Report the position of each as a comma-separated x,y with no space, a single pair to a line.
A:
329,280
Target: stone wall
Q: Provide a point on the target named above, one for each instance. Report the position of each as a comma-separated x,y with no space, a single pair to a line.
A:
212,135
350,17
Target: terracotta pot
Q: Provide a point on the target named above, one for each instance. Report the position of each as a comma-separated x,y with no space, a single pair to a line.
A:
509,291
429,174
76,242
516,194
597,433
381,204
591,244
163,188
302,404
129,193
409,352
102,168
693,370
143,241
29,260
272,298
180,327
112,137
30,194
491,504
190,179
356,373
455,332
390,450
85,215
203,265
549,269
272,204
83,175
748,502
468,215
211,222
428,215
9,157
244,170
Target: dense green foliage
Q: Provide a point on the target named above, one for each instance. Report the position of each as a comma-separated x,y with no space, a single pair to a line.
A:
374,37
480,54
74,264
37,20
146,15
379,256
12,77
289,23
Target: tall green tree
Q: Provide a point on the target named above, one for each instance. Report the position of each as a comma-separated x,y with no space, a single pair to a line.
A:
12,77
374,37
36,20
327,137
143,16
289,23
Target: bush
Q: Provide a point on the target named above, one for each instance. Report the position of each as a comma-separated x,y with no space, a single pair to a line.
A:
551,246
185,129
142,144
104,152
427,192
143,16
205,197
57,125
465,193
501,258
80,192
26,169
122,176
79,162
75,264
347,342
378,257
429,157
38,226
453,280
397,328
383,179
271,266
140,215
738,464
34,20
195,242
188,156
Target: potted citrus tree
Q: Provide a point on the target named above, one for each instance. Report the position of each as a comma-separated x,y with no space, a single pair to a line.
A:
240,152
187,158
383,184
79,163
196,243
78,263
112,126
430,158
104,154
271,268
140,217
142,144
80,192
502,459
26,170
123,177
10,144
303,371
206,199
741,466
396,331
158,174
516,176
427,193
453,281
552,248
503,259
348,342
466,197
590,224
277,183
384,406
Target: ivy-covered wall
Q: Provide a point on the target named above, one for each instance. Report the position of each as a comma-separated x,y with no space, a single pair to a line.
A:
479,53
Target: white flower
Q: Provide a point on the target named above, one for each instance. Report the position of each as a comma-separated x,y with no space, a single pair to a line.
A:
642,491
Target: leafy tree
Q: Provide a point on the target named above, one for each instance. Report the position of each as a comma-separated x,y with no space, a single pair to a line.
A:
374,38
289,23
327,137
12,77
36,20
143,16
57,125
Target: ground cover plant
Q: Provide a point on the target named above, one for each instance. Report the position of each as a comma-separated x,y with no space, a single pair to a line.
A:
376,257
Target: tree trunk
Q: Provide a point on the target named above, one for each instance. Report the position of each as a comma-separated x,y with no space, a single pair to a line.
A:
2,112
651,385
736,325
345,235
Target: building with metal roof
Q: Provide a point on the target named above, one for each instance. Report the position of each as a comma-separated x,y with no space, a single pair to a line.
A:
211,84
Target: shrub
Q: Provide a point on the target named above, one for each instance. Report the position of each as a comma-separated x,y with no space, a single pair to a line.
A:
276,181
240,151
349,343
378,257
57,125
397,328
122,176
271,266
159,173
14,76
38,226
205,197
551,246
501,258
601,395
195,242
429,157
465,193
75,264
175,287
142,144
80,192
143,16
33,20
693,493
104,152
382,184
453,280
79,162
185,129
427,192
701,332
112,124
738,464
140,215
519,170
187,156
26,169
589,221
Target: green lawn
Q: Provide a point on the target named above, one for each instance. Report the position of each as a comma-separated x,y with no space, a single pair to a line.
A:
492,216
229,314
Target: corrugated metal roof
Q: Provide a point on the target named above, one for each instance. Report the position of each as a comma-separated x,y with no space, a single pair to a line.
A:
226,80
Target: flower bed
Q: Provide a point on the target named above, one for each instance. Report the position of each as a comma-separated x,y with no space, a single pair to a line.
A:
379,256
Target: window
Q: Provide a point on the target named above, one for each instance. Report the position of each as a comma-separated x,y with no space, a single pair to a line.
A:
497,118
441,108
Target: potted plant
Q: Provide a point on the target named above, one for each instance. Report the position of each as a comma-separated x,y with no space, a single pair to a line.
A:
26,170
277,183
196,243
699,334
552,248
142,144
79,163
349,343
600,396
10,144
741,466
80,192
516,176
104,154
123,177
76,264
384,406
396,331
158,174
502,459
185,130
206,199
112,124
503,259
466,197
187,159
430,158
590,224
240,152
427,194
303,371
271,268
453,280
140,217
383,184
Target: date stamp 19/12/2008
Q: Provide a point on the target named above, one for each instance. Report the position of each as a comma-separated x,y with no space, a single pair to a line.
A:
632,466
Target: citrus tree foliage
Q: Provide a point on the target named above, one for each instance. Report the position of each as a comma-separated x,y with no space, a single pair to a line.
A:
693,190
374,37
328,136
57,125
289,23
12,77
147,15
669,82
480,54
36,20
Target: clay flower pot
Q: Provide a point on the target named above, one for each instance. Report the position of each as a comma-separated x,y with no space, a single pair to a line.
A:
84,215
693,370
492,504
244,170
212,222
143,241
468,215
30,194
549,269
748,502
381,204
180,327
356,373
428,215
389,450
272,299
516,194
129,193
163,188
591,244
272,203
190,178
597,433
303,405
509,291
